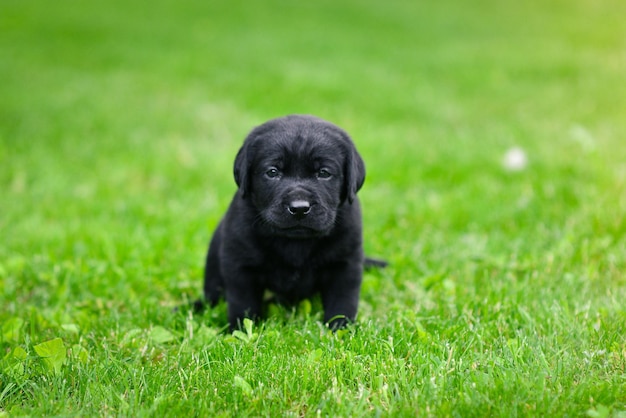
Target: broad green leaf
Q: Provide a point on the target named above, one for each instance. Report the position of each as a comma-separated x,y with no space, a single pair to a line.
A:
80,353
15,362
53,353
71,328
241,383
205,334
305,307
247,336
241,335
600,411
19,353
314,357
161,335
131,335
248,324
11,329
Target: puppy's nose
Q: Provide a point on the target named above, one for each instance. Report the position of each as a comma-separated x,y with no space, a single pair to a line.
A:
299,208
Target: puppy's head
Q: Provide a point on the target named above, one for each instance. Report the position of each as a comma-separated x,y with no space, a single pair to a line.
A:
297,171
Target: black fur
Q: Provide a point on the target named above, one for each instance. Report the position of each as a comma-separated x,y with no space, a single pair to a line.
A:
294,225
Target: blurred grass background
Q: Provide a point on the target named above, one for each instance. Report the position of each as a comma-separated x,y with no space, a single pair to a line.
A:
119,122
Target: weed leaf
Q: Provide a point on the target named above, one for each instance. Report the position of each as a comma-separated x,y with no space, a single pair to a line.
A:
53,353
15,362
161,335
314,357
245,387
11,329
248,325
80,353
248,336
71,328
19,353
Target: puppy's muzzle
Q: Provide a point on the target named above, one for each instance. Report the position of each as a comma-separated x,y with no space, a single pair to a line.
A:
299,208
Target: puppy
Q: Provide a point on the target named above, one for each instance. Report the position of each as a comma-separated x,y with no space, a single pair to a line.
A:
294,225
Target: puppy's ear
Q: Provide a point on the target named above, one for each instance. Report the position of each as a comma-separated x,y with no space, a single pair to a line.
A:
354,173
245,158
241,168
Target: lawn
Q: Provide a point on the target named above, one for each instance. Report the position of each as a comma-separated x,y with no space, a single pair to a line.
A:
119,123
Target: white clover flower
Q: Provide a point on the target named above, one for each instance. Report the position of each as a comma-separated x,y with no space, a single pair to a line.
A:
515,159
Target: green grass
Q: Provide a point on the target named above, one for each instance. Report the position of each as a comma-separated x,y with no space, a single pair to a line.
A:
119,122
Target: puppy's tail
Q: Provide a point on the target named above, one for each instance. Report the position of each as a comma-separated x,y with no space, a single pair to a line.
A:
374,263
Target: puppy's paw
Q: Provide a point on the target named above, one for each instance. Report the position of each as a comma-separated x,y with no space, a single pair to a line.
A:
339,322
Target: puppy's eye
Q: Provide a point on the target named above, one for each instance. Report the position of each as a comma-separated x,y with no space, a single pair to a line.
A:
324,174
272,173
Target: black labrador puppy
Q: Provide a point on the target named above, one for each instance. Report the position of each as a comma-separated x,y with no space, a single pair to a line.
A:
294,225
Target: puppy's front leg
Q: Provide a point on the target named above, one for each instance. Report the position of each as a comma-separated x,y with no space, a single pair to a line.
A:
245,300
340,296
